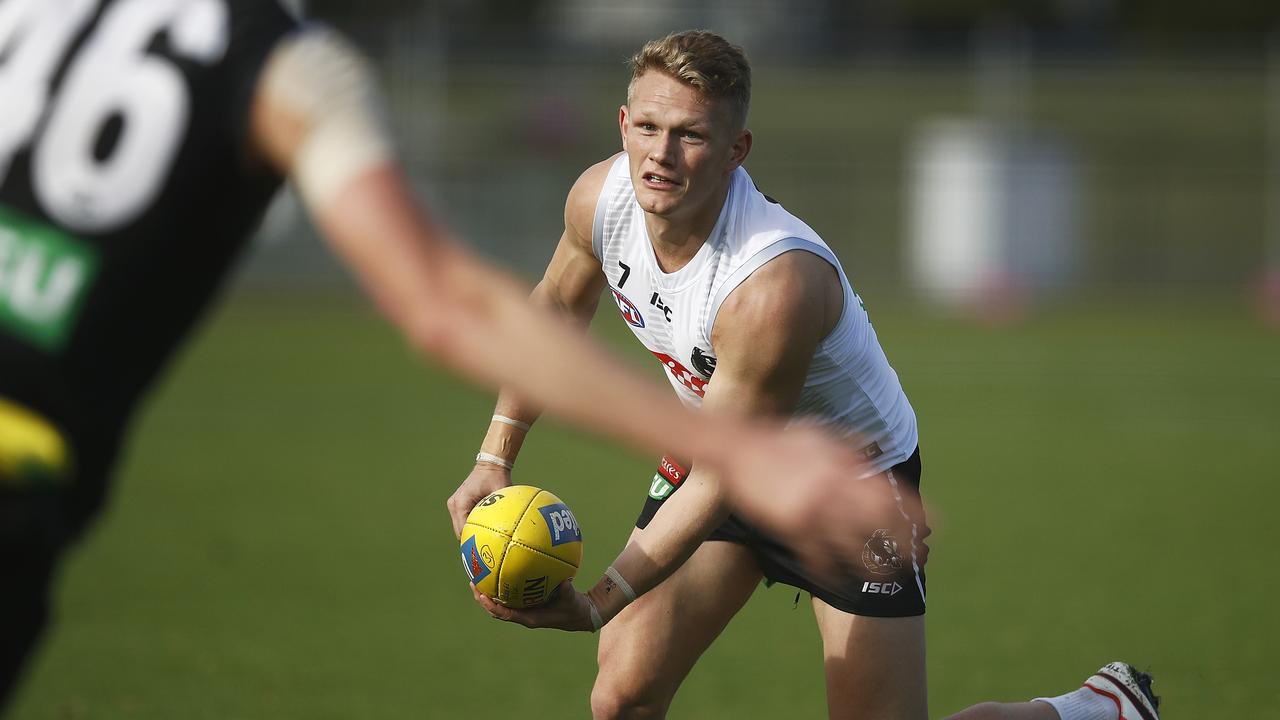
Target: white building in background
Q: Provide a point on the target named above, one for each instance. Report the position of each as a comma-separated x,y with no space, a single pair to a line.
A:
994,206
993,216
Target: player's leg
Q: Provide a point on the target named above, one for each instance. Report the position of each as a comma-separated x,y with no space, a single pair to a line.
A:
650,647
1117,691
1007,711
872,620
875,666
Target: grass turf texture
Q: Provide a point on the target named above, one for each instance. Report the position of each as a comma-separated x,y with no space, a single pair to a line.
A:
278,544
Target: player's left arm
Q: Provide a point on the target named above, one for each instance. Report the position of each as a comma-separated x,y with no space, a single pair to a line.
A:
765,336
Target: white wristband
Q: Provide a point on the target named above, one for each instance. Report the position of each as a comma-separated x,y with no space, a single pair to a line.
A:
512,422
491,459
621,582
597,622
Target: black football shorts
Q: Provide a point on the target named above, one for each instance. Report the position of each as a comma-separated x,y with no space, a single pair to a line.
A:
887,580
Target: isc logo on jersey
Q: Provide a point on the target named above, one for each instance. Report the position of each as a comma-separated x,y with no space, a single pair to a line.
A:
519,544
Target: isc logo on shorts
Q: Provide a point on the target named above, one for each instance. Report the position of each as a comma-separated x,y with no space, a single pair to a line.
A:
561,523
884,588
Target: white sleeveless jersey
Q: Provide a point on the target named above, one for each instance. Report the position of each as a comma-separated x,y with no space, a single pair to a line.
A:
850,385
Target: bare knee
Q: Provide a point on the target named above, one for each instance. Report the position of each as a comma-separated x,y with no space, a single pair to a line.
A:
619,699
626,687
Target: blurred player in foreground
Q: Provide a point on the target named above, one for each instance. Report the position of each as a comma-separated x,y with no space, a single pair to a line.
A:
750,313
140,142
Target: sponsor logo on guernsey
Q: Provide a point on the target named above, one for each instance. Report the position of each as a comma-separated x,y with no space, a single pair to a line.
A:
629,311
659,488
44,276
669,475
880,554
561,523
473,563
682,374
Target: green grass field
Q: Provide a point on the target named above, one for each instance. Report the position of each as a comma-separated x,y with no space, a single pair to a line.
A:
1103,481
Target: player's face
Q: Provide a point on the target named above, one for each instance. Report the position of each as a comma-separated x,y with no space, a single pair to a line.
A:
682,147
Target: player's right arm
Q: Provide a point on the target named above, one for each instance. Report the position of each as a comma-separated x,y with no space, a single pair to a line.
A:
571,288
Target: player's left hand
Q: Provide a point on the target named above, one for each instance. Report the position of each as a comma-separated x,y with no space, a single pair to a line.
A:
567,610
484,479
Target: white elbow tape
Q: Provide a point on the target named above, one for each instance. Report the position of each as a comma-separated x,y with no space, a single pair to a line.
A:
621,582
331,87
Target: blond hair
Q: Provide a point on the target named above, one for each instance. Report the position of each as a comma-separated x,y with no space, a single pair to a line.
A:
705,62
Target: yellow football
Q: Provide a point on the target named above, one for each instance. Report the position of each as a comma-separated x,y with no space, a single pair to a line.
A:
519,544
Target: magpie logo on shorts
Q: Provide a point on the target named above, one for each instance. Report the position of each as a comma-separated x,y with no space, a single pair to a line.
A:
629,311
561,523
880,553
473,562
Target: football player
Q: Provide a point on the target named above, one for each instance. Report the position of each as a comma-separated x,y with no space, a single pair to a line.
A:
748,311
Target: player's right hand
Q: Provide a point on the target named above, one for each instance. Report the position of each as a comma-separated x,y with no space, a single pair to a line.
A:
567,610
484,479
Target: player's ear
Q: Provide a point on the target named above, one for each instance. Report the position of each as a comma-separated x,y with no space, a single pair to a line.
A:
622,125
740,149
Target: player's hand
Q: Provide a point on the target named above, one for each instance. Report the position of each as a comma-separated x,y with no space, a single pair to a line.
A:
803,486
484,479
567,610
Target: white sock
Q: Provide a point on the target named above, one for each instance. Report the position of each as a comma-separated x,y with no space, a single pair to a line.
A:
1083,704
